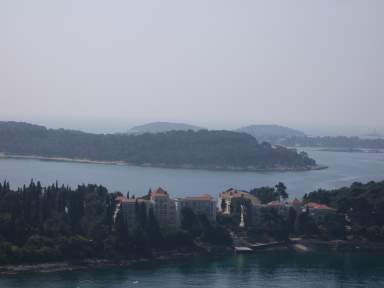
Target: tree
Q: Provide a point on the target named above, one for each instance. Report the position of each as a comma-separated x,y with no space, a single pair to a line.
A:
141,213
122,232
223,205
189,221
265,194
153,230
281,189
291,219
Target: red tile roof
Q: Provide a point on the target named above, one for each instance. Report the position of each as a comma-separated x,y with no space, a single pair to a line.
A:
159,192
275,204
318,206
204,197
233,193
296,202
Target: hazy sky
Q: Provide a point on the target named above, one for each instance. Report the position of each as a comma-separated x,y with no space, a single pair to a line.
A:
214,63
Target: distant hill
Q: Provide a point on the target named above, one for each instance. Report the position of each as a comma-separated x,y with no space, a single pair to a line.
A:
338,143
160,127
271,133
186,149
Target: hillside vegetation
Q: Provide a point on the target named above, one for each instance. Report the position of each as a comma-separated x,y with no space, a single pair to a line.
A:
190,149
160,127
334,142
362,203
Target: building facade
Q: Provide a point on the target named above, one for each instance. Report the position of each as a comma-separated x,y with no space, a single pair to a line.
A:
128,206
164,207
226,197
203,204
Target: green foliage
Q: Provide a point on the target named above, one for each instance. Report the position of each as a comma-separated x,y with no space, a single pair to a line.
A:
55,223
364,206
339,142
199,227
306,225
203,149
281,189
269,194
265,194
363,203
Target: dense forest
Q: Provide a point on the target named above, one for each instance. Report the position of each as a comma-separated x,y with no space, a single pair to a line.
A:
193,149
341,142
56,223
363,205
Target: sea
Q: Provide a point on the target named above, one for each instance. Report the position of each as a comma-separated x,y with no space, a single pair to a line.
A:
265,269
344,168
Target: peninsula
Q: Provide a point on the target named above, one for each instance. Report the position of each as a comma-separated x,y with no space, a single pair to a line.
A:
203,149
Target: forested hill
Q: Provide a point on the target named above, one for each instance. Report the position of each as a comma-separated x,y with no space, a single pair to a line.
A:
271,133
160,127
191,149
334,142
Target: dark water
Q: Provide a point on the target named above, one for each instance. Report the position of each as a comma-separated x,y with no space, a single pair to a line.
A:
344,168
277,269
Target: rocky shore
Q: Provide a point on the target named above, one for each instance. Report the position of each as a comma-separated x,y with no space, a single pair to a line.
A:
298,245
338,245
93,263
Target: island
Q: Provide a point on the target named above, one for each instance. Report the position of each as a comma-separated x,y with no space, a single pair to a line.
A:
336,143
161,127
203,149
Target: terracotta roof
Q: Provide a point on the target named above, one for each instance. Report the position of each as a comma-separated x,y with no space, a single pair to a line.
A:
159,192
204,197
233,193
313,205
275,204
296,202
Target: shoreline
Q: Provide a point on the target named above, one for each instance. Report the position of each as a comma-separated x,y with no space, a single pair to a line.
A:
302,246
77,265
149,165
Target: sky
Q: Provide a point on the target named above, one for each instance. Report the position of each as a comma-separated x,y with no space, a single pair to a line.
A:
108,65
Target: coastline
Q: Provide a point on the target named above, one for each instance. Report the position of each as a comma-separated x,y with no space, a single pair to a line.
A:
192,167
296,246
69,266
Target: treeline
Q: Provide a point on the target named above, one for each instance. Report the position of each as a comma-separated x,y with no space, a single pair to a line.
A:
362,204
268,194
56,223
200,149
333,142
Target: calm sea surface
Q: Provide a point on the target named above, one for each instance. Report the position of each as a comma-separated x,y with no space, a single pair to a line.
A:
273,269
344,168
277,269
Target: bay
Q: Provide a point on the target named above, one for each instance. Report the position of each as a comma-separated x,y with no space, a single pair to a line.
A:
344,169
